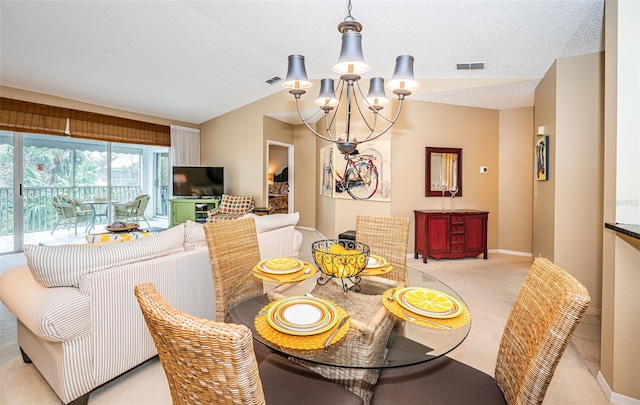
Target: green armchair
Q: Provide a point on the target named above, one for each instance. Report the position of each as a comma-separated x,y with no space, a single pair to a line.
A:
132,211
70,211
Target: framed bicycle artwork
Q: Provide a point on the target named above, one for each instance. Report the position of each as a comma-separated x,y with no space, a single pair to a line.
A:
364,175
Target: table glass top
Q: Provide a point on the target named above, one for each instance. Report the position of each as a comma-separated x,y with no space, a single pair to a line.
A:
389,324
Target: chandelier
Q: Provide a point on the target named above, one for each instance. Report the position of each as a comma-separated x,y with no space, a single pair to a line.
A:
350,66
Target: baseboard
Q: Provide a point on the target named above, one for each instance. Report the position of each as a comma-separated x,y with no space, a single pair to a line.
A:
613,397
594,311
309,229
511,252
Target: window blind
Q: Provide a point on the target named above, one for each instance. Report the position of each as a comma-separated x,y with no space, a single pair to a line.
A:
24,116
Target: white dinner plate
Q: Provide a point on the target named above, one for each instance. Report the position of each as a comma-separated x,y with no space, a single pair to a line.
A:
302,316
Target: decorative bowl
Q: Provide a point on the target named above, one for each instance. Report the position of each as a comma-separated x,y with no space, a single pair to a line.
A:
121,227
340,258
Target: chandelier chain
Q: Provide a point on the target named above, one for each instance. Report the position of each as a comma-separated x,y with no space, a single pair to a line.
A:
349,17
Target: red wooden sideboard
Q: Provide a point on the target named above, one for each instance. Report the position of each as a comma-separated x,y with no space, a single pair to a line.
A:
450,234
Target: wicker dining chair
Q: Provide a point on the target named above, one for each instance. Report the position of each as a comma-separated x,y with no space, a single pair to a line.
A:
549,306
233,252
208,362
387,237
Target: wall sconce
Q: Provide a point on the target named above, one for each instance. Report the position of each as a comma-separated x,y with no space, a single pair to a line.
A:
271,176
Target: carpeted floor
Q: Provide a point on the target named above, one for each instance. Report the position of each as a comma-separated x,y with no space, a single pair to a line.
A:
489,288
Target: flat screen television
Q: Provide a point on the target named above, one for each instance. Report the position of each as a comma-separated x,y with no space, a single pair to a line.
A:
198,181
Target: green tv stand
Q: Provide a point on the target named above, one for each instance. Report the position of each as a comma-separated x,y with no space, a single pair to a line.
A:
194,209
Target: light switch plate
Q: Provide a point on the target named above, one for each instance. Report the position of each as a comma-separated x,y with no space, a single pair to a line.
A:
483,169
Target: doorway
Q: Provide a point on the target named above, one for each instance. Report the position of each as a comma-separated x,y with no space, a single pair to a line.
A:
280,178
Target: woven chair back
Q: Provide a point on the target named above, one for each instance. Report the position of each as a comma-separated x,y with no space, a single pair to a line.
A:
206,362
387,237
142,206
548,309
233,252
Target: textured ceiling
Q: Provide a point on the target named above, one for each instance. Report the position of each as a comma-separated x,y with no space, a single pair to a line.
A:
194,60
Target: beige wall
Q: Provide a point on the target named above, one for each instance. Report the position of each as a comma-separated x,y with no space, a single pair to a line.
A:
515,183
544,191
237,141
477,131
567,209
620,348
305,178
579,170
422,124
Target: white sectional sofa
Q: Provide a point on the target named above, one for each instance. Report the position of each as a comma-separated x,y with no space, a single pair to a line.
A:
78,319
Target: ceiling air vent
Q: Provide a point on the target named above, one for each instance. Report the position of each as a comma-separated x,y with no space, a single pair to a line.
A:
273,80
470,66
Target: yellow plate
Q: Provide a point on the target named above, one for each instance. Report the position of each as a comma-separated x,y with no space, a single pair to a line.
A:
280,265
428,302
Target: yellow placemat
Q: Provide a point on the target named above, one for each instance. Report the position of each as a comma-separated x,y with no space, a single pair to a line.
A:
286,278
376,271
397,310
299,342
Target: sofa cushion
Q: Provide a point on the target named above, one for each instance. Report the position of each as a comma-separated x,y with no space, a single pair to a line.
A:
267,223
194,235
61,266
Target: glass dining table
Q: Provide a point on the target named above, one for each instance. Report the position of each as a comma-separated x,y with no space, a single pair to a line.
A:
386,323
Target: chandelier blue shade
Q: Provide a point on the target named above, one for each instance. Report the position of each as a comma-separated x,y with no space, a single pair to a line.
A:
327,97
351,59
377,97
296,74
402,79
351,65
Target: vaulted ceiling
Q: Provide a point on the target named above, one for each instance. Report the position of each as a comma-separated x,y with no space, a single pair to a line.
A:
192,61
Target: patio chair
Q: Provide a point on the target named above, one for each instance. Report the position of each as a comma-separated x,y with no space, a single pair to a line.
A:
132,211
210,362
548,309
231,207
387,237
70,211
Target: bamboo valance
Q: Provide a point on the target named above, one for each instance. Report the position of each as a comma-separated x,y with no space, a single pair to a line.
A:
24,116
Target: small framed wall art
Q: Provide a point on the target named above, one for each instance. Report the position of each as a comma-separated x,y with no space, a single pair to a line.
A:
541,154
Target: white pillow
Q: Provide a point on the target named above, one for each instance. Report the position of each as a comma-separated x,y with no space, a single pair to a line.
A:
265,223
62,266
194,235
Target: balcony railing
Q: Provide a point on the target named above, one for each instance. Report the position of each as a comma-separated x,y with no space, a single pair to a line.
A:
38,212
